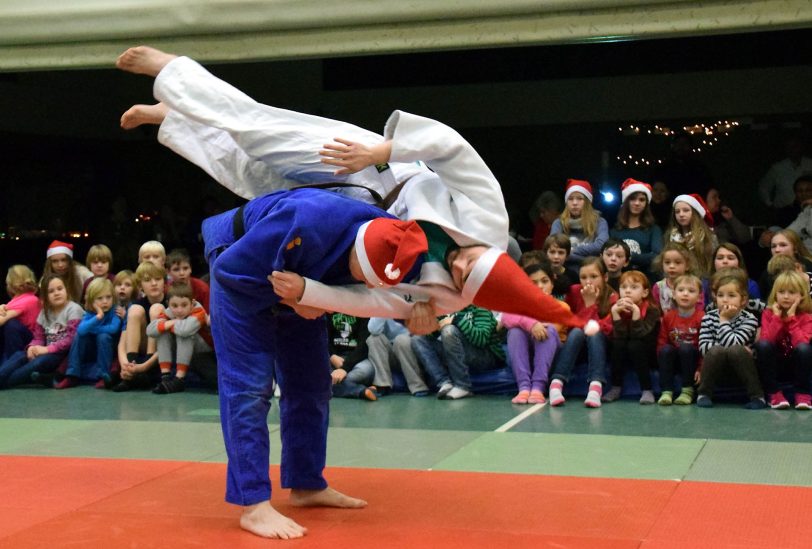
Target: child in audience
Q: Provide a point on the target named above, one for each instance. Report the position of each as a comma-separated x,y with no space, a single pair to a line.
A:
91,354
689,226
124,286
636,225
532,257
154,252
59,261
785,242
352,371
591,299
580,222
557,249
18,317
727,255
634,334
527,338
782,263
678,341
179,322
180,270
726,339
674,261
53,335
786,328
99,259
141,355
390,348
615,254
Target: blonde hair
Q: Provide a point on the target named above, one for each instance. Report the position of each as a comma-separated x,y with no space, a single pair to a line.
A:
780,263
671,246
99,252
700,241
151,246
148,271
20,279
97,288
790,280
589,219
688,279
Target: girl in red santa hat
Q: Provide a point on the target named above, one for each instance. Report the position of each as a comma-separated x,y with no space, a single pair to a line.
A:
59,261
636,225
690,225
584,226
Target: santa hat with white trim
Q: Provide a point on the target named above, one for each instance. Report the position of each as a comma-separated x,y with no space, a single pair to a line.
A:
496,282
578,186
388,248
698,204
57,247
631,186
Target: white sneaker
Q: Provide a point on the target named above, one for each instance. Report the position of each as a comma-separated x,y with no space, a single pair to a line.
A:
444,389
556,396
457,392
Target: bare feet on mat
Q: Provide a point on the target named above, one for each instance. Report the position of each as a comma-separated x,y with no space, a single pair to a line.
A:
265,521
144,60
325,498
143,114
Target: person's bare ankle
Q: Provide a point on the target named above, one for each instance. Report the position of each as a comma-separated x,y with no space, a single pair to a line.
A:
265,521
144,60
325,498
143,114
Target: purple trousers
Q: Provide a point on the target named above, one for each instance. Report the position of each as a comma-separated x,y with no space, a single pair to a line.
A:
521,346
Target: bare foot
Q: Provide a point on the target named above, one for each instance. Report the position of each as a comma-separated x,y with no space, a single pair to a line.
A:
143,60
143,114
325,498
265,521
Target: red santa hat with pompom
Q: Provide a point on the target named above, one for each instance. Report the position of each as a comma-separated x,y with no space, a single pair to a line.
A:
388,248
578,186
57,247
698,204
496,282
631,186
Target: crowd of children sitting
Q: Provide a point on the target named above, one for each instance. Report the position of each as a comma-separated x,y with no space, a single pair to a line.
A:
677,301
130,330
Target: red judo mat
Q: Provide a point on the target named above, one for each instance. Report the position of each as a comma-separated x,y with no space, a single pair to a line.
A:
73,502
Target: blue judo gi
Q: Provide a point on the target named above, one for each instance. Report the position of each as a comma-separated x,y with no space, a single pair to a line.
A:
309,232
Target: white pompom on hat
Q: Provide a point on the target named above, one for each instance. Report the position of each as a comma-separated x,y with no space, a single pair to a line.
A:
631,186
578,186
58,247
388,248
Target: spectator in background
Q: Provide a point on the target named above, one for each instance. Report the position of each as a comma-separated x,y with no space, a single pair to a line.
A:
726,225
390,348
636,227
581,223
661,204
352,372
776,187
682,172
802,190
545,211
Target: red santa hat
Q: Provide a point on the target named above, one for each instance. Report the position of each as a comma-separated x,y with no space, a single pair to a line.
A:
57,247
698,204
388,248
497,283
578,186
631,186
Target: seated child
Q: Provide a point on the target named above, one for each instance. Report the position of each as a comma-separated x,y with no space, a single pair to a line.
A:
678,341
18,317
53,335
390,348
674,261
91,354
615,254
352,371
180,270
154,252
179,322
634,334
99,259
786,329
529,339
726,339
557,248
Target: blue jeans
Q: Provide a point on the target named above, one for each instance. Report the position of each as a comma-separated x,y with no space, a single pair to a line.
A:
571,350
17,369
451,358
91,356
669,358
357,380
14,336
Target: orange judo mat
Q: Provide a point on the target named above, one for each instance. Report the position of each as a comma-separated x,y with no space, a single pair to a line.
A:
77,502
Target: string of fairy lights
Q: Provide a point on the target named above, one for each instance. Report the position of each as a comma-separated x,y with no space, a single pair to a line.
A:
708,133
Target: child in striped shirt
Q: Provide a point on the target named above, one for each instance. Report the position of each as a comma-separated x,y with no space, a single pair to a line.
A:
726,338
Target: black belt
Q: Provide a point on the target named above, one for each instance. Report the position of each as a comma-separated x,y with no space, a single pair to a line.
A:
238,223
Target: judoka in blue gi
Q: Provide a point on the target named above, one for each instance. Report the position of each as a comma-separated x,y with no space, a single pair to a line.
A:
311,231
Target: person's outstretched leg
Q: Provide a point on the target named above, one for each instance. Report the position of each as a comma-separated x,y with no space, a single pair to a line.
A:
144,60
144,114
